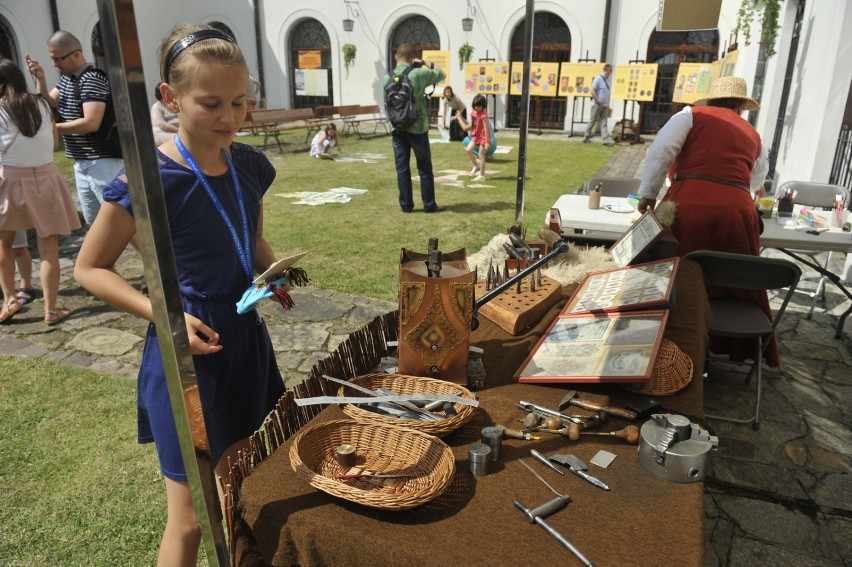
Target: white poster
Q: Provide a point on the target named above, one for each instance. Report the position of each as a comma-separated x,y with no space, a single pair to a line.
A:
312,82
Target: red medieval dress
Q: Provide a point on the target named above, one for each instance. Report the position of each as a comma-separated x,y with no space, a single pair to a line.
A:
710,184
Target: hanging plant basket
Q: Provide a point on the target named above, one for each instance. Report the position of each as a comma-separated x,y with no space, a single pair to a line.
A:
769,11
349,52
465,51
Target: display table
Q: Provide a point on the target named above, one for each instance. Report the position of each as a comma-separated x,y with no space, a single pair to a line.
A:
643,520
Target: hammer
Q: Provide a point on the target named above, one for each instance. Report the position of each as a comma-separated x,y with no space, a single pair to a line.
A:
571,398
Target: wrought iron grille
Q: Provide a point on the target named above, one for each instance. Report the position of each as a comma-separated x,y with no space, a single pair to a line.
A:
310,35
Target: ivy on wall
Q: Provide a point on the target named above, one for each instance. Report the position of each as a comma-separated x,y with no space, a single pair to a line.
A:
769,11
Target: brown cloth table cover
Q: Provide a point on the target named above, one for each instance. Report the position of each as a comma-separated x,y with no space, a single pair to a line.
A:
643,520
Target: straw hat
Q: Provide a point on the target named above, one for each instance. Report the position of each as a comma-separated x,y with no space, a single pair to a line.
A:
672,372
729,87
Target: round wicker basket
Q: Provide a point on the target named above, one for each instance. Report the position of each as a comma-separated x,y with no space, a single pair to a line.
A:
405,385
379,449
672,372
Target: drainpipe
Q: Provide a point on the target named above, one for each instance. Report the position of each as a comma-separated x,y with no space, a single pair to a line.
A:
54,15
259,46
605,34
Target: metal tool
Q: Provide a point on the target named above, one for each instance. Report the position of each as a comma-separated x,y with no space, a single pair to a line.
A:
537,515
541,478
515,434
673,448
629,434
571,398
547,412
579,468
543,460
408,407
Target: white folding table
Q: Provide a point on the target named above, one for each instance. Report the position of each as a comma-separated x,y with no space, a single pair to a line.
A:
581,223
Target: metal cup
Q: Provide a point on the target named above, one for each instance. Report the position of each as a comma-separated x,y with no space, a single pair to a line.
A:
493,437
478,454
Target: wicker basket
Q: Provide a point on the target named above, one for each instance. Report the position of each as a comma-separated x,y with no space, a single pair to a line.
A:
379,449
672,372
405,385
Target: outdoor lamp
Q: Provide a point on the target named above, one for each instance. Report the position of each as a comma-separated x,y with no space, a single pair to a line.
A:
348,22
467,23
348,25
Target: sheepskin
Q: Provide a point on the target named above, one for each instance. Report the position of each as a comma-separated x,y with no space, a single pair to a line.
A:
568,268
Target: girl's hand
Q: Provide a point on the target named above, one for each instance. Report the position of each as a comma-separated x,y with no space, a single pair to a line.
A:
197,344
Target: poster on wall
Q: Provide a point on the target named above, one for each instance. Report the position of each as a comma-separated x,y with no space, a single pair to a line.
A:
729,63
442,62
692,82
486,77
310,59
312,82
575,79
635,81
543,79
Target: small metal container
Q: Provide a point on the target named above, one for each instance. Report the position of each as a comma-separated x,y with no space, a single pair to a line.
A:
345,455
478,454
493,437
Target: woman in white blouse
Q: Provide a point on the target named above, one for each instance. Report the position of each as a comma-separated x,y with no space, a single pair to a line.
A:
450,106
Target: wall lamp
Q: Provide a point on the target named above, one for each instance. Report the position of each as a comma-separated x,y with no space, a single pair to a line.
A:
348,22
467,23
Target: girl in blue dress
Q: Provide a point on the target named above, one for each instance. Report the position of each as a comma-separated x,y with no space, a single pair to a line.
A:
213,189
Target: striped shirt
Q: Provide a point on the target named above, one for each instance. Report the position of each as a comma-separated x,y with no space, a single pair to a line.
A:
94,87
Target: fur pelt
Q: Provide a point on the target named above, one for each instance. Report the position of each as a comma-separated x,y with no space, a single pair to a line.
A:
666,212
568,268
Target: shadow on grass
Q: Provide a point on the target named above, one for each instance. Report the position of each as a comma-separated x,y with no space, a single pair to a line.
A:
480,207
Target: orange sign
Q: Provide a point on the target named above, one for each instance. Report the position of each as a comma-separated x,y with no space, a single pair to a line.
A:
310,59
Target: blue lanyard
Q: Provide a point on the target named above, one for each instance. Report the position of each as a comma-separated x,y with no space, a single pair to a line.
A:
244,248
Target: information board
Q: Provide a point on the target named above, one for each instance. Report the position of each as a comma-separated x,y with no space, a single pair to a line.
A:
692,82
729,63
543,79
575,79
442,62
635,82
491,77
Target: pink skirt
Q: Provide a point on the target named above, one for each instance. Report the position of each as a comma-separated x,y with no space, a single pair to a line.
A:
36,197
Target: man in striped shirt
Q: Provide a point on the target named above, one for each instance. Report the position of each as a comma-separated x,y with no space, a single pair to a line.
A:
79,117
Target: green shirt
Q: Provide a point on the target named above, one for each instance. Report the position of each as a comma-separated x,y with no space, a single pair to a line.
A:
420,79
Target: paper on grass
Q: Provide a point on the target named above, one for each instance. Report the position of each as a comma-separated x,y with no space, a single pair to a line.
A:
503,149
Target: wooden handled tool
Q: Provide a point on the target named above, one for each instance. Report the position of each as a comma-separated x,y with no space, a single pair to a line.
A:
629,434
571,398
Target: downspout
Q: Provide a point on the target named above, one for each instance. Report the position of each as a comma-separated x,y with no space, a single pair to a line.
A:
54,15
259,46
605,34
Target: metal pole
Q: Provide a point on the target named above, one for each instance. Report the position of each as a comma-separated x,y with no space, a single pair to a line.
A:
523,127
130,96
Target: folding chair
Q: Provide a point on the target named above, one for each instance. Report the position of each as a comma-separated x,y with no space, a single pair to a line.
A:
613,186
815,195
741,319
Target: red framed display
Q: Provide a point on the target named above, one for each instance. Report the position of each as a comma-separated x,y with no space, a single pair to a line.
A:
596,347
640,286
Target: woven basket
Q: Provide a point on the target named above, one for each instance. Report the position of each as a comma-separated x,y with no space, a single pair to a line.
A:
672,372
379,449
405,385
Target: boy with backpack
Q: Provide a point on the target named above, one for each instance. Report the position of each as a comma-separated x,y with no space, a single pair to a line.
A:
406,108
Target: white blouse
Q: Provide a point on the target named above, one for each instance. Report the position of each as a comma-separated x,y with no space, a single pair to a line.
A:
16,150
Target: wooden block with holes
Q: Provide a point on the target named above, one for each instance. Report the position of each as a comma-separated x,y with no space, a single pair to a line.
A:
513,312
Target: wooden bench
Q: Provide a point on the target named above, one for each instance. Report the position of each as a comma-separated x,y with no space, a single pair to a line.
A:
273,121
355,117
324,115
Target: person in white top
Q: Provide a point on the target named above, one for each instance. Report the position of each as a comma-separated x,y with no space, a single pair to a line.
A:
323,142
451,106
33,193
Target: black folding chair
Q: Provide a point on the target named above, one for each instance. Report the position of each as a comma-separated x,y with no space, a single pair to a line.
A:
741,319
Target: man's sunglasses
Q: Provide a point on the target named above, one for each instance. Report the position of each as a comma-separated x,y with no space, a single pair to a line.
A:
64,57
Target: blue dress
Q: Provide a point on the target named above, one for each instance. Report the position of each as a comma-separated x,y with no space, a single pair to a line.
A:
240,384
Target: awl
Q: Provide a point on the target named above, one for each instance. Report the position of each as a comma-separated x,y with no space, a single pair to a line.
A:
578,467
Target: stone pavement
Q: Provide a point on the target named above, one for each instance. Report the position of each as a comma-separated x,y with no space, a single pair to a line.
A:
780,495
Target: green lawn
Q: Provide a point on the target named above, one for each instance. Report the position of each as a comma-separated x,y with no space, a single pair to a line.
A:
79,491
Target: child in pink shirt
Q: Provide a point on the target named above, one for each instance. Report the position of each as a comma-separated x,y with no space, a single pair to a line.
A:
480,135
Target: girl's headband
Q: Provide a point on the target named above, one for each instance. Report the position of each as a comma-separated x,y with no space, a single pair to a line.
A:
182,44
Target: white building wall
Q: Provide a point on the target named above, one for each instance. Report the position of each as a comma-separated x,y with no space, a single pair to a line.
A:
818,93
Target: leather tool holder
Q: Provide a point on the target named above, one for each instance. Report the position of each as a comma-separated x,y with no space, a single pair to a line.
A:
434,316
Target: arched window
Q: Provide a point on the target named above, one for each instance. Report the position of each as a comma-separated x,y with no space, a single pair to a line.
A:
669,50
308,37
98,48
420,32
551,43
8,47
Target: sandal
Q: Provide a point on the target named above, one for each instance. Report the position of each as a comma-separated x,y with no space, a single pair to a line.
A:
25,294
56,316
10,308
